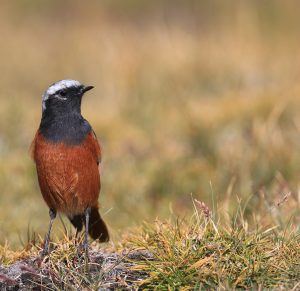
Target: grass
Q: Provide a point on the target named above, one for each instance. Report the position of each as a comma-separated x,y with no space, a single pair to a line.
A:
189,253
208,250
199,254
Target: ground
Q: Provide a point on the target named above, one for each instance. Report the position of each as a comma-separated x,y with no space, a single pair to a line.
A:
166,255
107,271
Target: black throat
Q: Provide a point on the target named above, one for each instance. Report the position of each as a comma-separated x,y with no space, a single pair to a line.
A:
69,128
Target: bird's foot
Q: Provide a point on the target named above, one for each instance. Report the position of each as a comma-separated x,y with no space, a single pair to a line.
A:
44,252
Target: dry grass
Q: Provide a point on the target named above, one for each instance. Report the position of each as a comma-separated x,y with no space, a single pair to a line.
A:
198,253
177,254
198,98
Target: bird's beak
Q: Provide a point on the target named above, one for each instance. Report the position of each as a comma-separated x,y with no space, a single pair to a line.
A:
86,88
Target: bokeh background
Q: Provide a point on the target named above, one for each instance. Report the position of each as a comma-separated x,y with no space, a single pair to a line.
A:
191,97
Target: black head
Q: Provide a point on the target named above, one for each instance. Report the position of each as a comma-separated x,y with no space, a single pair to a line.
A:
61,119
64,97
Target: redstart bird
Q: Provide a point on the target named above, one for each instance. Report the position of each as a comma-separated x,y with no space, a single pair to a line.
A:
67,154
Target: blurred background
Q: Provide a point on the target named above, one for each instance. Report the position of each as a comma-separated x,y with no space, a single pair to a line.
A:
191,97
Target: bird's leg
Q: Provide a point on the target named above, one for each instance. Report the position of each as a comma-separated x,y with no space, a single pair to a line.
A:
79,243
87,214
52,213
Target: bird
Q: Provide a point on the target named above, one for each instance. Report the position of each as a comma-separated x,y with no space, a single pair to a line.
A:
67,155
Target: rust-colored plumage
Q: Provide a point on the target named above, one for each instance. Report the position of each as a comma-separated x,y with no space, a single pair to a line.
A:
69,178
68,174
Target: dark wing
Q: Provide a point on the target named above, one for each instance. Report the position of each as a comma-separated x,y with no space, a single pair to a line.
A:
97,147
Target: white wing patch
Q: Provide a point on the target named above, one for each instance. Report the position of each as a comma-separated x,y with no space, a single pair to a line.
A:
62,84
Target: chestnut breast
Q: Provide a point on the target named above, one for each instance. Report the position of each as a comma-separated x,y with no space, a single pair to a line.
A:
68,174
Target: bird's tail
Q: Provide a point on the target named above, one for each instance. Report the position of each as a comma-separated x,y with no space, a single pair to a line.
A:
97,227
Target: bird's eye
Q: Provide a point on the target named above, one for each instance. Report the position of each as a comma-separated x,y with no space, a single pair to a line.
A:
62,93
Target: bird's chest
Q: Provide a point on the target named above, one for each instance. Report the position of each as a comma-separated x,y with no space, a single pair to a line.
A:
63,159
68,174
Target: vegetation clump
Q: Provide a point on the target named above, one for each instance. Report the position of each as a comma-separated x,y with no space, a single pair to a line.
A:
199,252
